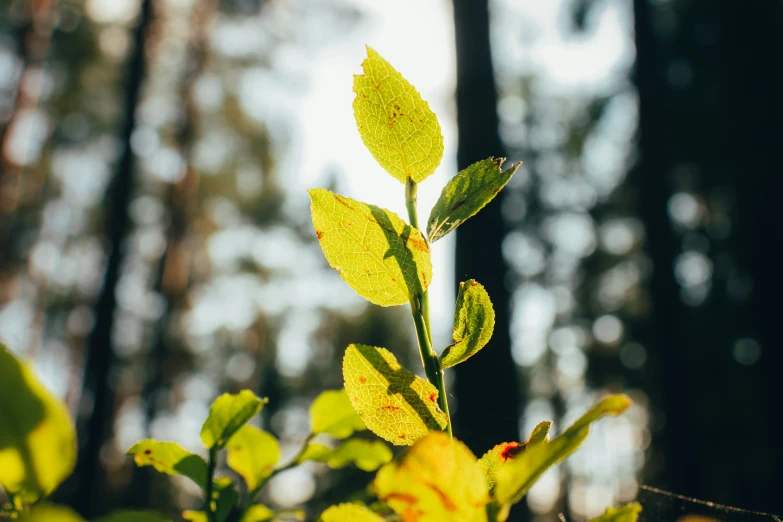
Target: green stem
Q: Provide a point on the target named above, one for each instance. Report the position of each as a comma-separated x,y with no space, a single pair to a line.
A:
420,309
211,466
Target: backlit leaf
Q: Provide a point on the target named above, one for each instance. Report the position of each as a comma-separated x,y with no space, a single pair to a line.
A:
437,479
333,414
516,476
170,458
253,454
381,257
37,437
258,513
467,193
349,513
366,455
393,402
395,124
491,462
627,513
51,513
227,414
474,321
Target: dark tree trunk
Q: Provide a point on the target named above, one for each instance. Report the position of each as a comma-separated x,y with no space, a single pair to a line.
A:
87,490
487,390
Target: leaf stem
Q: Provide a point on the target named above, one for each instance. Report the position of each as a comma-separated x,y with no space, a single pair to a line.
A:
420,310
211,466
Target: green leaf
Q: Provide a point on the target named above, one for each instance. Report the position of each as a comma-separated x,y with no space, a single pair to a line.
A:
466,194
366,455
37,437
227,414
627,513
253,454
134,516
332,413
516,477
170,458
397,126
224,498
474,321
491,462
437,479
349,513
50,513
380,256
258,513
393,402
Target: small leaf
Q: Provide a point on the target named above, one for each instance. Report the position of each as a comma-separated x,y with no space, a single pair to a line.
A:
437,479
224,498
491,462
258,513
474,321
349,513
37,437
195,516
332,413
134,516
393,402
380,256
627,513
170,458
395,124
366,455
253,454
466,194
227,414
516,477
50,513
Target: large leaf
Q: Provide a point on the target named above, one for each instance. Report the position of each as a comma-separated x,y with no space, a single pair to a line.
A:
437,479
134,516
516,477
349,513
381,257
393,402
474,321
466,194
170,458
491,462
253,454
333,414
227,414
37,438
51,513
397,126
627,513
366,455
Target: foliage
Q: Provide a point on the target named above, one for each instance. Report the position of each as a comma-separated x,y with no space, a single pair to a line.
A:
386,261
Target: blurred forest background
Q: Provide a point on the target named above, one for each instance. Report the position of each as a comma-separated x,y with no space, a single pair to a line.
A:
156,246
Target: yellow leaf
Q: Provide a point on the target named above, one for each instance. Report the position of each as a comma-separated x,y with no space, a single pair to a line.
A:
395,124
349,513
332,413
253,454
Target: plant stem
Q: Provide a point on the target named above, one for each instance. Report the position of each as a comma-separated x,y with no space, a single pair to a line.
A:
211,465
420,309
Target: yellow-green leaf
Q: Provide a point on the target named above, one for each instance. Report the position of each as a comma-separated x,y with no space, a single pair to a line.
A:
37,437
195,516
349,513
170,458
474,321
437,479
516,477
332,413
626,513
381,257
466,194
227,414
393,402
253,454
395,124
258,513
366,455
134,516
50,513
491,462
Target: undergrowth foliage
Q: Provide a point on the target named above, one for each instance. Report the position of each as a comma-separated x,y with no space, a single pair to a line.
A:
386,260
